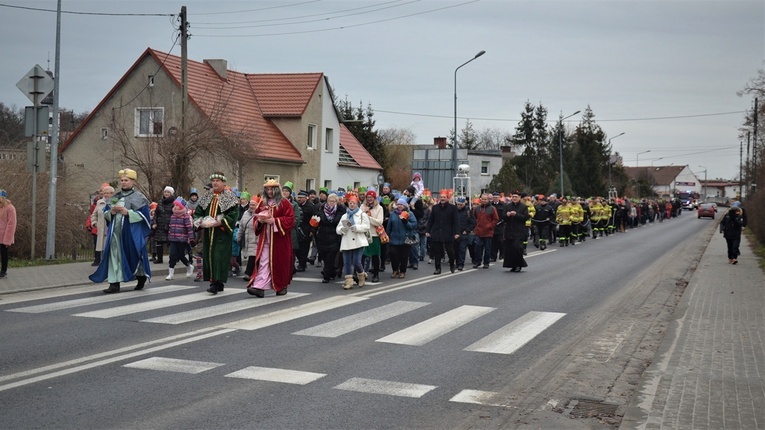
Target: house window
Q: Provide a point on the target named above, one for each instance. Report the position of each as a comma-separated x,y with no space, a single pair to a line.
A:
328,140
311,136
356,185
151,80
484,167
149,121
328,186
104,133
310,184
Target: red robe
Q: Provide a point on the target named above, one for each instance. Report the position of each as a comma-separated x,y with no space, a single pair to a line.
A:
280,252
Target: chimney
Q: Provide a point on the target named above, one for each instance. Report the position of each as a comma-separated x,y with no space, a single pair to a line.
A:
220,67
440,142
507,152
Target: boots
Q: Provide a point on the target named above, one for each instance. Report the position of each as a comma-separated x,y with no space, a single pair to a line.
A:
113,288
348,282
189,270
96,258
170,273
362,279
141,282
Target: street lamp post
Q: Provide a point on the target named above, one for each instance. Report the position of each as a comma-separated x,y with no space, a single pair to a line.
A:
655,160
454,144
704,188
610,185
637,157
560,150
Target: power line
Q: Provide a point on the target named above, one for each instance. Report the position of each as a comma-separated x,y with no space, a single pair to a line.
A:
343,27
83,13
353,10
599,120
258,10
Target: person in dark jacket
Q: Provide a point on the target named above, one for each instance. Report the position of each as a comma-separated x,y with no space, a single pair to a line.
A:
161,225
466,225
732,224
304,230
402,224
515,216
327,239
497,248
442,231
543,218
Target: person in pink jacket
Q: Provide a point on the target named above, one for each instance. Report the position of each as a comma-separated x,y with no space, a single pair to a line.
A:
7,230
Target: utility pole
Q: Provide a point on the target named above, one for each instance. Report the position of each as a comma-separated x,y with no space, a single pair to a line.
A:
748,165
740,167
184,81
754,145
50,237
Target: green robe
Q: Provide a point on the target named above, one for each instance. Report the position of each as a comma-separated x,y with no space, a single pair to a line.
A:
217,241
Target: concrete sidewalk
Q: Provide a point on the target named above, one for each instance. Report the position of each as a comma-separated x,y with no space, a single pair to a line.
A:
59,275
709,372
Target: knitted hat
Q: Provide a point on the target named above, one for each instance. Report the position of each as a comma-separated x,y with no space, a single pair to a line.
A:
402,201
3,193
169,188
372,193
180,202
417,175
302,193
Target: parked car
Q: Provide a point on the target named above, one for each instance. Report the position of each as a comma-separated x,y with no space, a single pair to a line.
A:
707,210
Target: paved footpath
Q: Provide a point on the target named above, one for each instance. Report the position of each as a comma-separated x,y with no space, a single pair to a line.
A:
60,275
709,372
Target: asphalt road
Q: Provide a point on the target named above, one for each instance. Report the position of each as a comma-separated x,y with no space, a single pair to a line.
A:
474,349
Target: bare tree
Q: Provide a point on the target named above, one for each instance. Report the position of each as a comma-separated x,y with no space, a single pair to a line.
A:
169,156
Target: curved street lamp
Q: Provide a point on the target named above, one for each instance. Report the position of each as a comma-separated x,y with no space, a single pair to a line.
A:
454,144
560,149
611,185
637,157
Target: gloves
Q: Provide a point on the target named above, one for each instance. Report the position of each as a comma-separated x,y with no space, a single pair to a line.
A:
353,228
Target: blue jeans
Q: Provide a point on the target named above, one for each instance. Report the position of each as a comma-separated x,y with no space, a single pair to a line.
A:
352,260
482,248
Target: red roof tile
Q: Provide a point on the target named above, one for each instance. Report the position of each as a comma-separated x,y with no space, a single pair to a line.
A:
284,95
356,150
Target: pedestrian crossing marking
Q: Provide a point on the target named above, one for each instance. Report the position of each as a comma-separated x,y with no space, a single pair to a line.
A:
391,388
155,304
360,320
285,376
428,330
513,336
173,365
300,311
101,298
479,397
217,310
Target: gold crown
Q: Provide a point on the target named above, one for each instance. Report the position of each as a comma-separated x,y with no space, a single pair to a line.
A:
271,183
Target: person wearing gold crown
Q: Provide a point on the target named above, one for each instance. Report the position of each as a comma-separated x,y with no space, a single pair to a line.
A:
274,257
125,257
216,215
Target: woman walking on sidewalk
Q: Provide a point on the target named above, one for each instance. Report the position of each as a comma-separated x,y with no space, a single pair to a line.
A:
7,230
732,224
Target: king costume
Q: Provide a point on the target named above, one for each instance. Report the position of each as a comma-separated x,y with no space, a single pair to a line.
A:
125,255
217,241
274,255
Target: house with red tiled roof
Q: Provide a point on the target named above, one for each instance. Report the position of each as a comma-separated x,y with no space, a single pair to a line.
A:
252,127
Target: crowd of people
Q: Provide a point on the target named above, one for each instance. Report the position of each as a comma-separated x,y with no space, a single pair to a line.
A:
351,234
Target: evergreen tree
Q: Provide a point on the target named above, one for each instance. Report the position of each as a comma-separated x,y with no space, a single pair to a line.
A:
468,137
525,164
506,180
589,164
561,143
361,125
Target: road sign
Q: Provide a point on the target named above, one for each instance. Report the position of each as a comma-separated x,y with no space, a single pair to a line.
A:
36,84
380,179
43,117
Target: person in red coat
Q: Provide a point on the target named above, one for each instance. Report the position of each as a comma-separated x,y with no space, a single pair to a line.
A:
273,258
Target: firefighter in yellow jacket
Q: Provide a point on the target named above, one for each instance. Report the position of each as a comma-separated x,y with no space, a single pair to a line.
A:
563,218
526,199
596,217
577,217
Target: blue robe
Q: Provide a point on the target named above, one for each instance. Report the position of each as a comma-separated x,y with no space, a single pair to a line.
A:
133,236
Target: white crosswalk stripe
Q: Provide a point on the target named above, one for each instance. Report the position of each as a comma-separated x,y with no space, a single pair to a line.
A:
360,320
424,332
100,298
174,365
285,376
217,310
155,304
391,388
513,336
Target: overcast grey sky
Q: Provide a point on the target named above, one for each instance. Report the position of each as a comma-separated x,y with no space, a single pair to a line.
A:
663,72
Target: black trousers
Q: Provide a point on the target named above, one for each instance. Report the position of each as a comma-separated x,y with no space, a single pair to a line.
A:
178,253
438,252
3,258
329,268
302,252
399,256
733,244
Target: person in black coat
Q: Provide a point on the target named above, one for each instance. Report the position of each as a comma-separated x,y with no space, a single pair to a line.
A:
515,215
161,225
732,224
305,233
327,239
442,231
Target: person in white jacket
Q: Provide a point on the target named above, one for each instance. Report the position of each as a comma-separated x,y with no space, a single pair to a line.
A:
353,227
